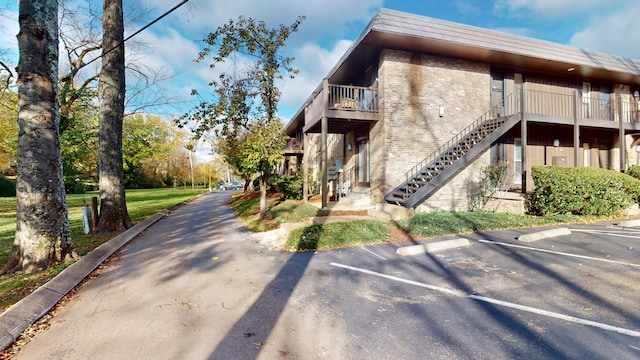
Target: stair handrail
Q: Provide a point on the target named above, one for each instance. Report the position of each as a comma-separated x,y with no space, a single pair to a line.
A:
453,141
489,115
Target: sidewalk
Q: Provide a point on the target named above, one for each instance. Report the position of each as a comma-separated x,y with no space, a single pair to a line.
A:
25,312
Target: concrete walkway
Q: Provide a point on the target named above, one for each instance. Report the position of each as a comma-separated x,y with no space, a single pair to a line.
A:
196,285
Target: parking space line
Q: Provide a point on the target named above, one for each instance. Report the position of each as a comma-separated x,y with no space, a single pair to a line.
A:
374,254
557,253
622,229
529,309
610,233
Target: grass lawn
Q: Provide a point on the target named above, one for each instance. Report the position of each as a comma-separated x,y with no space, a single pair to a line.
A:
342,234
140,203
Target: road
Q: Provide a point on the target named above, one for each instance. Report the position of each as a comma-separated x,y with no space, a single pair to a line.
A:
198,285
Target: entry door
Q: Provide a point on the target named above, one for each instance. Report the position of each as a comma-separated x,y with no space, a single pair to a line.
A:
497,94
363,163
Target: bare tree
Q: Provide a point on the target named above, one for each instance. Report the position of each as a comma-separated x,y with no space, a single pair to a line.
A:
111,90
81,37
43,235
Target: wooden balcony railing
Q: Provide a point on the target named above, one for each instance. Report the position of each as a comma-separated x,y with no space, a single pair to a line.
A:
294,145
342,97
359,98
570,106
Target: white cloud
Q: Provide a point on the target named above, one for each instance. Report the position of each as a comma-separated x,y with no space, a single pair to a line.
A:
314,63
322,17
617,33
546,8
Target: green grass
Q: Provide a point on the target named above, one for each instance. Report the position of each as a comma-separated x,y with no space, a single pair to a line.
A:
279,211
140,204
337,235
441,223
294,211
420,226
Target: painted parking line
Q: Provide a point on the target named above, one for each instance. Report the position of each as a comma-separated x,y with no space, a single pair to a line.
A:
374,254
507,304
608,232
623,228
557,252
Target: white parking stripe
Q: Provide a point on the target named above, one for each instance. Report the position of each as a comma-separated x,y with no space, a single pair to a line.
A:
557,252
374,254
610,233
533,310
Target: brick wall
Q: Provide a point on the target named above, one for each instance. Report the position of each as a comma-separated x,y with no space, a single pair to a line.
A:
412,87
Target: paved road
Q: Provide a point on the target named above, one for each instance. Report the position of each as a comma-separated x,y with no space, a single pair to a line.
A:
197,285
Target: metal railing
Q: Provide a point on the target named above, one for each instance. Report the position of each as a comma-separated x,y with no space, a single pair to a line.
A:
452,142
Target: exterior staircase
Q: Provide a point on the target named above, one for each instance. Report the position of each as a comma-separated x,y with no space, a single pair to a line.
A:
449,159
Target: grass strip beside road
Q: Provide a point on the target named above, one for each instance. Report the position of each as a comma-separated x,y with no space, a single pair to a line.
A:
354,233
443,223
141,204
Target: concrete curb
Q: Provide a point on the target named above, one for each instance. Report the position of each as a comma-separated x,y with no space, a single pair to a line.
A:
544,234
433,247
25,312
629,223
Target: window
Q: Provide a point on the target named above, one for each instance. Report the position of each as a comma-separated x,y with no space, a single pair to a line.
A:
586,100
517,161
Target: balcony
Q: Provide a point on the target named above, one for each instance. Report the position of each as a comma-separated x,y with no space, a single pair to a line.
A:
570,109
294,147
346,107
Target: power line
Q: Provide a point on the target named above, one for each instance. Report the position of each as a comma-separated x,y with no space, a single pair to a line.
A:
132,35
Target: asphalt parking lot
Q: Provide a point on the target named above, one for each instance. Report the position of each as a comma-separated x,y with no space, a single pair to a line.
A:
568,296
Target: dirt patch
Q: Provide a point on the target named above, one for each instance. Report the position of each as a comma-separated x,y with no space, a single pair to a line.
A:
399,236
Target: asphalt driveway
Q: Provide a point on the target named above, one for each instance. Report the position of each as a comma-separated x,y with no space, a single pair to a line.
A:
198,285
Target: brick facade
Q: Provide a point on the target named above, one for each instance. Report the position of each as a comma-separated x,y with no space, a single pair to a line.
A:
412,88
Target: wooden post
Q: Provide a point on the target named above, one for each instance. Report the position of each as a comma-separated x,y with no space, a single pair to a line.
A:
305,167
323,144
523,135
94,213
621,139
576,130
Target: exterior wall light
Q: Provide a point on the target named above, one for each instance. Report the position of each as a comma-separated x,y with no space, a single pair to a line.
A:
441,110
556,142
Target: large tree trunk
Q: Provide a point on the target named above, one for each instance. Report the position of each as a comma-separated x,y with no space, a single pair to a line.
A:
43,235
113,207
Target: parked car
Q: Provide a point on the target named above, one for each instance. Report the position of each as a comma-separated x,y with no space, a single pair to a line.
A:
232,186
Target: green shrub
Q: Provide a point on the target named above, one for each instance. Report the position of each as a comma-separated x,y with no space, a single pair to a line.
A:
7,187
634,171
581,191
290,186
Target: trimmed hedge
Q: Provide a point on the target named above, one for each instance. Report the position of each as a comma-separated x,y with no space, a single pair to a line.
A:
581,191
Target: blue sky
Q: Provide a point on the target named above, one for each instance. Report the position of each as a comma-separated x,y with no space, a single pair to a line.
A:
610,26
